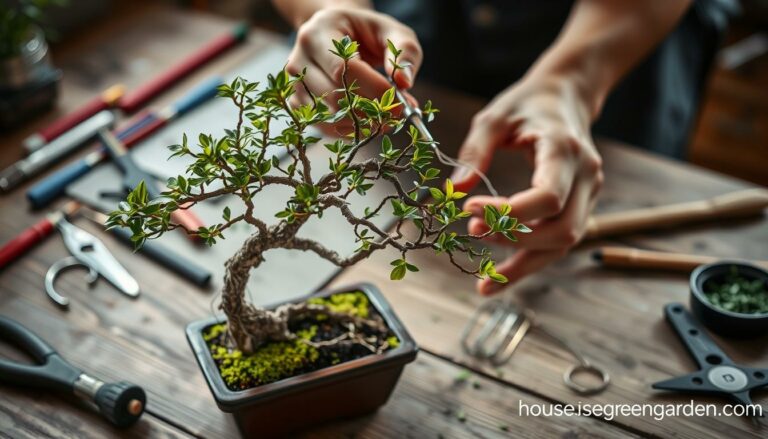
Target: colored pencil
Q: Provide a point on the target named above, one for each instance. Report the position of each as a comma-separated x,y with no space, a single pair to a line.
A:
107,99
137,130
50,153
139,97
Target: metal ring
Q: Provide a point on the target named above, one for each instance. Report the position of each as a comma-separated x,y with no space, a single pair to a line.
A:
53,273
588,368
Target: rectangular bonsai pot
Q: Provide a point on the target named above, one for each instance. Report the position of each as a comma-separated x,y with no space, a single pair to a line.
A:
344,390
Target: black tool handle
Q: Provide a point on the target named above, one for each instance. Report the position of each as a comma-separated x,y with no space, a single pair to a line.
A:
122,403
703,348
50,372
166,257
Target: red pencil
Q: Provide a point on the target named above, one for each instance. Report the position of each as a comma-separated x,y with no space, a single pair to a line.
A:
107,99
139,97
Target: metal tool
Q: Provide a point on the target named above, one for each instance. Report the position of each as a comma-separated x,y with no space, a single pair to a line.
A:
413,114
180,264
136,130
29,237
504,330
122,403
717,374
106,99
90,252
133,175
47,155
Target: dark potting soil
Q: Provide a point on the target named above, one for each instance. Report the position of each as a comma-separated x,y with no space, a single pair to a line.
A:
279,360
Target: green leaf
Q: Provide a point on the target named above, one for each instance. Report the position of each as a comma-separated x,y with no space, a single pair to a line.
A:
437,194
448,189
392,49
500,278
490,215
226,214
431,173
411,267
522,228
387,98
398,272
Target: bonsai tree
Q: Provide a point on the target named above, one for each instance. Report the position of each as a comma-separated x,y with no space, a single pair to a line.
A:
237,164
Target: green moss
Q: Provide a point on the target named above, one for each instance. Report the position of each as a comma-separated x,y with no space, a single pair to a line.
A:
278,360
355,303
214,332
271,362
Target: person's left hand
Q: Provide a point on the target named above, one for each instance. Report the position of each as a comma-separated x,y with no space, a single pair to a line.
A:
548,119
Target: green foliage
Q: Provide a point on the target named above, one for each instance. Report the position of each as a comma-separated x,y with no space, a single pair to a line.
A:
499,221
737,293
16,22
237,164
400,268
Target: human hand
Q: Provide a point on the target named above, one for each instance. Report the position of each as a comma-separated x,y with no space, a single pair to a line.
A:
372,30
548,119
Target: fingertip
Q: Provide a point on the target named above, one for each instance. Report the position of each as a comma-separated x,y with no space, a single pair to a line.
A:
473,205
487,287
404,78
477,226
464,180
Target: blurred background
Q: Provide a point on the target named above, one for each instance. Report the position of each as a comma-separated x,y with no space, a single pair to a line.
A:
731,135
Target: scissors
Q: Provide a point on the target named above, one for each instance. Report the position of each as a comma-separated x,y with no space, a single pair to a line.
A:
90,252
122,403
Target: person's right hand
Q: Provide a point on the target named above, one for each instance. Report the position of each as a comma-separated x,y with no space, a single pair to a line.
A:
371,30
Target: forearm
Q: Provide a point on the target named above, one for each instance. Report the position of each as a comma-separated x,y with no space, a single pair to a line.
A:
296,12
603,39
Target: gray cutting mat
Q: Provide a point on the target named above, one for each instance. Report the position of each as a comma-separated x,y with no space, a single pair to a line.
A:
285,274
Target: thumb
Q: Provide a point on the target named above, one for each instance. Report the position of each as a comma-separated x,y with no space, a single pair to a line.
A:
475,153
410,57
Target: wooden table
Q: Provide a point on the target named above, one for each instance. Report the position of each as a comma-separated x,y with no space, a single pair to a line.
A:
614,317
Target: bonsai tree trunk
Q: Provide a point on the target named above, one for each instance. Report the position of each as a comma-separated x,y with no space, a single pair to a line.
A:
251,326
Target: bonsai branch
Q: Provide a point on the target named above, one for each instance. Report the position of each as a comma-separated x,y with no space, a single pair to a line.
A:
238,161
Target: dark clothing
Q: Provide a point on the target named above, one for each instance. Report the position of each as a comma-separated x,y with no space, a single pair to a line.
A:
482,47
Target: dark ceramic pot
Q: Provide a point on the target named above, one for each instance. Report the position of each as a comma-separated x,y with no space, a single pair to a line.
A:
718,320
344,390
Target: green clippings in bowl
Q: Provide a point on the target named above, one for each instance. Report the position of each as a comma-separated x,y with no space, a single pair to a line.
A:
737,293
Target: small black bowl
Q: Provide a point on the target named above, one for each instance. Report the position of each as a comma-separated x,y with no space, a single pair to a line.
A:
718,320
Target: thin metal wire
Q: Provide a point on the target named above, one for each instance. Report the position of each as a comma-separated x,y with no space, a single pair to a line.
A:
413,115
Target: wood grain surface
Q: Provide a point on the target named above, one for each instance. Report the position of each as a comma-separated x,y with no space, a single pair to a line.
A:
614,317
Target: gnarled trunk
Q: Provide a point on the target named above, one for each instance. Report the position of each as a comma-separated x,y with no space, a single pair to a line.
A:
249,326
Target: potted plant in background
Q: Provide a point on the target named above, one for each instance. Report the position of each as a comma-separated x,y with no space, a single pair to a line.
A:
338,353
28,80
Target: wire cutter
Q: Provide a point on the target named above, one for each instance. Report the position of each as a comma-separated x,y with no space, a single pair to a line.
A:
90,252
122,403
